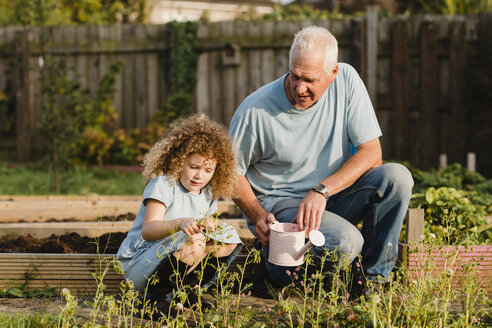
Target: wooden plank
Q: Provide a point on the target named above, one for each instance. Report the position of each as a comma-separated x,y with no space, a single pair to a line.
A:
141,87
78,280
385,119
415,225
458,137
129,102
358,54
228,76
241,30
254,64
162,86
215,78
429,113
81,59
202,99
400,86
152,63
267,55
215,87
42,208
116,32
24,123
372,52
89,229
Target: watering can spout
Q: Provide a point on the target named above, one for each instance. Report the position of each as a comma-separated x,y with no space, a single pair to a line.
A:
316,238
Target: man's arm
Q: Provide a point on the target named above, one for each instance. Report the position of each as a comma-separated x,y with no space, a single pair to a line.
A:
368,156
247,202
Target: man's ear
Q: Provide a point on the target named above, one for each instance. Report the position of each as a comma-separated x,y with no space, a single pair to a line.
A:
334,73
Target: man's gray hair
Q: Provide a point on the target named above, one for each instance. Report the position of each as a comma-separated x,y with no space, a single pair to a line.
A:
306,41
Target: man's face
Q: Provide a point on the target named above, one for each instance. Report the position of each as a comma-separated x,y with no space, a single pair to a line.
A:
307,80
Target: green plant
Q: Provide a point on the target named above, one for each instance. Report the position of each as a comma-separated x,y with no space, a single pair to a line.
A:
17,320
454,7
66,112
181,59
455,213
453,176
53,12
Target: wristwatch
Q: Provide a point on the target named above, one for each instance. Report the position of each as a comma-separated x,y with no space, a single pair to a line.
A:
321,188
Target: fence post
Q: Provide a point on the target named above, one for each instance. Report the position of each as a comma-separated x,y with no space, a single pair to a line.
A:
415,225
372,52
24,110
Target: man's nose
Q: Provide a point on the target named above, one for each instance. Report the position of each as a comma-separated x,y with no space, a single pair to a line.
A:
301,87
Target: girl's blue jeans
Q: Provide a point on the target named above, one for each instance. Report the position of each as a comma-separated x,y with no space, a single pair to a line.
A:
379,199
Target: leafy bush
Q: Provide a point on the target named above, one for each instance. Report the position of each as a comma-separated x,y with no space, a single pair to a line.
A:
456,203
453,176
293,11
55,12
454,7
456,213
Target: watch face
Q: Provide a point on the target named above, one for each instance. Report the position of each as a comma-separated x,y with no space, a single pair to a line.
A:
322,190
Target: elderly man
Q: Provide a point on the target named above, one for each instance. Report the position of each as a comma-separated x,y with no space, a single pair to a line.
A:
293,138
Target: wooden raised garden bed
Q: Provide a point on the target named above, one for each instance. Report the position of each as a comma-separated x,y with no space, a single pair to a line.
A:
75,271
453,260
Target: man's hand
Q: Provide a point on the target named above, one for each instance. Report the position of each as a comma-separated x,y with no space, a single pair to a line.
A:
310,212
263,228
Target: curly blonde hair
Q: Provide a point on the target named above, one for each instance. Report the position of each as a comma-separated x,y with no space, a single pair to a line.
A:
185,137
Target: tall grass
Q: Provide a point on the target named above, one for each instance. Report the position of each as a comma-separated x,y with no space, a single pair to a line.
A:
427,297
76,181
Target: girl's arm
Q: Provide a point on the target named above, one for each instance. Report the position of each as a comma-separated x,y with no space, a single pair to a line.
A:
154,228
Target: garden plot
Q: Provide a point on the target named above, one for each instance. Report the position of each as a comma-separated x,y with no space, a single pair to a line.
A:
66,241
57,263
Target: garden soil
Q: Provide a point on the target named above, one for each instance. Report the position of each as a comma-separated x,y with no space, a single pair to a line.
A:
73,243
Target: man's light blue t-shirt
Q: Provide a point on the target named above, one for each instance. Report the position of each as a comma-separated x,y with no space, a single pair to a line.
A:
284,151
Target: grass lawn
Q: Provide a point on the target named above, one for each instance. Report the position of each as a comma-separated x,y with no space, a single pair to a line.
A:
78,181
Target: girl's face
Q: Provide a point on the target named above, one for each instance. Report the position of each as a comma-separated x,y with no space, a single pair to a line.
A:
197,172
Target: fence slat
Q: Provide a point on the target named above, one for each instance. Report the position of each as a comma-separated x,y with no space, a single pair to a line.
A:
429,112
458,136
240,29
228,67
401,132
22,85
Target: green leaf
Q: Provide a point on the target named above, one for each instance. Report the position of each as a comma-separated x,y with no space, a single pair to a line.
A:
17,292
431,195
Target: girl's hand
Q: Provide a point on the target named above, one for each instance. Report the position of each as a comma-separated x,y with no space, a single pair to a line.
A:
209,223
190,226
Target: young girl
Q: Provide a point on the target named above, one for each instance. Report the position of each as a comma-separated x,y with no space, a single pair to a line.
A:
186,172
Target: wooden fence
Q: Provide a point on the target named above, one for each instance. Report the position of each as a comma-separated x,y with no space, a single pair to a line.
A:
88,52
413,68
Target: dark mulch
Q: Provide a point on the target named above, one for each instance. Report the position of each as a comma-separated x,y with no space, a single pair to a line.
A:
68,244
72,243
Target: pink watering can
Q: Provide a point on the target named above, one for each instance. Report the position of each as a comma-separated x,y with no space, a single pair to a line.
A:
287,246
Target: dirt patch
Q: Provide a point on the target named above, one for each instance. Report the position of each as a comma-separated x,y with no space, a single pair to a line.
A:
74,243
